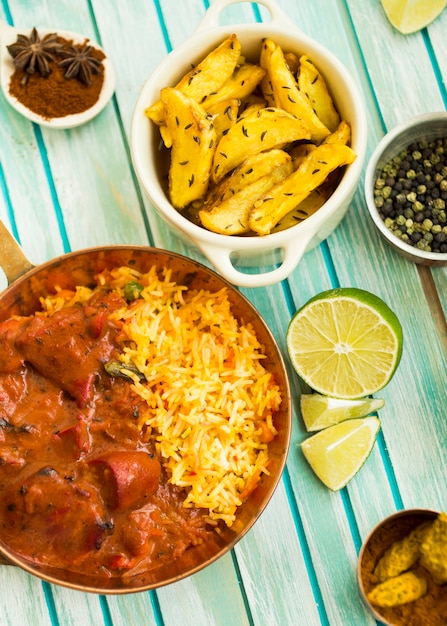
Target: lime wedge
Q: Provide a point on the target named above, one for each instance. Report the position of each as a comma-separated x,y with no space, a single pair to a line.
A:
337,453
409,16
320,412
345,343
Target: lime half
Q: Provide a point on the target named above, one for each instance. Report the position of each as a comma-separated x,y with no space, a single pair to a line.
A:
345,343
409,16
337,453
320,412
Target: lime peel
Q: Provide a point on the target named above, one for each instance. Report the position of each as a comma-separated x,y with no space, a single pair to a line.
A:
336,454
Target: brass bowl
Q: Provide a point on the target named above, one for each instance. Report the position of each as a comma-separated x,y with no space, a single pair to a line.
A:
389,530
22,298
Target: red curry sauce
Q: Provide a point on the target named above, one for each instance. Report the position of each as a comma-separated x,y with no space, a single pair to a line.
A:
80,486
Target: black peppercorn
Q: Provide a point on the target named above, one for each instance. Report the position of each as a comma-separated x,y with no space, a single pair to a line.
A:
410,194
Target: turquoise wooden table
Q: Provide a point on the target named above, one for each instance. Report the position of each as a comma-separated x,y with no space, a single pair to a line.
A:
66,190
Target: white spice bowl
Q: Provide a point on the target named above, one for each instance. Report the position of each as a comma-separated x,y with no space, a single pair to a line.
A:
287,247
428,127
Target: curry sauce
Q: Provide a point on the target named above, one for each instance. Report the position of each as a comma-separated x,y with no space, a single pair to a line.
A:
81,487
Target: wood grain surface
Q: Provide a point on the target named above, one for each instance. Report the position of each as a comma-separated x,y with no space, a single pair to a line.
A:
66,190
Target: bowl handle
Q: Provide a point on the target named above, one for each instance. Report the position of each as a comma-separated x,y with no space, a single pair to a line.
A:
211,18
293,250
12,259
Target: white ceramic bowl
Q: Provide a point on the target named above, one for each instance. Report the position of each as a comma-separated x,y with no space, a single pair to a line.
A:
285,247
428,126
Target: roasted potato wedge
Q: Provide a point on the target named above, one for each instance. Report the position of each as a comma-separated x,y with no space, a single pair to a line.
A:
267,47
252,100
193,146
207,77
312,83
286,92
260,131
293,62
300,152
231,217
165,135
252,169
224,114
342,134
307,207
287,195
240,84
250,109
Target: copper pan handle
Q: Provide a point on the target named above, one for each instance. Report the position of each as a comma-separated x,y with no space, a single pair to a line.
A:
12,258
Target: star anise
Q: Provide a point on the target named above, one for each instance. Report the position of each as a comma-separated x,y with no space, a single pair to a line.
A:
33,53
80,63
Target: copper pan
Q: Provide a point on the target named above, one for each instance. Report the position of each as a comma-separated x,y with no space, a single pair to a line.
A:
28,282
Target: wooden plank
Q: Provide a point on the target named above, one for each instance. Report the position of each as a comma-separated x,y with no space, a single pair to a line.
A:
181,23
74,607
22,599
27,187
212,596
273,569
361,269
80,183
399,66
131,609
